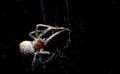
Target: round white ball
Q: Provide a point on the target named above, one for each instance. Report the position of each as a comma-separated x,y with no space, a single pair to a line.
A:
26,47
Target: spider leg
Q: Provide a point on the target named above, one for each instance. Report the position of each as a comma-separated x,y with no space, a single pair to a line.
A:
52,36
43,52
34,58
50,28
59,28
45,31
36,30
39,53
42,25
30,34
33,32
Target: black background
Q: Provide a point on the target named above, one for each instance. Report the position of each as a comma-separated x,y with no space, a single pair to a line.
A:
93,49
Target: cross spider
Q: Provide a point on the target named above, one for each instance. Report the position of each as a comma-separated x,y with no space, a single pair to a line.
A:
36,47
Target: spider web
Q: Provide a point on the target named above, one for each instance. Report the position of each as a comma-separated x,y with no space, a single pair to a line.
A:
60,49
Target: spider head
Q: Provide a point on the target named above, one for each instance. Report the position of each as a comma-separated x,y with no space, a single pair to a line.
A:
26,47
38,44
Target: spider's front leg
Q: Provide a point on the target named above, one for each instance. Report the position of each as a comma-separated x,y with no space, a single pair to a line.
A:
45,31
52,36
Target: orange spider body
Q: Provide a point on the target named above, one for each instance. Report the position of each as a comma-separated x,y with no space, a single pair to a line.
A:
38,44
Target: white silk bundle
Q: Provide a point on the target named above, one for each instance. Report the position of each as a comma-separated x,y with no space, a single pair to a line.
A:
26,47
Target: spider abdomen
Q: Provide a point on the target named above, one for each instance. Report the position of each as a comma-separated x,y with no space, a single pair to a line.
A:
38,44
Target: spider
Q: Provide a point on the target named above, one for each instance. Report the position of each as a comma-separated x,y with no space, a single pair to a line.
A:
36,47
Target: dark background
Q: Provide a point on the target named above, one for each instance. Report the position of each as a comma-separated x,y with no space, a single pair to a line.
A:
94,46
